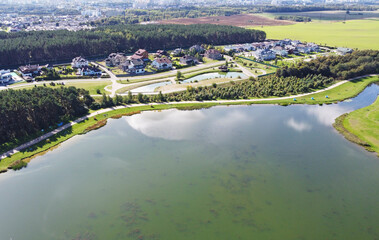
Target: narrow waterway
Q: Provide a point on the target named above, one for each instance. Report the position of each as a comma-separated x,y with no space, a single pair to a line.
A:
240,172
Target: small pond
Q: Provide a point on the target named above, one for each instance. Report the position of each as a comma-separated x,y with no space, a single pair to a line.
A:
215,75
150,88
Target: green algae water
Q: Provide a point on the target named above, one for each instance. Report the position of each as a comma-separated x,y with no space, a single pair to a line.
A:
241,172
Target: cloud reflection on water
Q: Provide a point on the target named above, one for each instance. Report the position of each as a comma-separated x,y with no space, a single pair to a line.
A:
184,125
170,124
298,126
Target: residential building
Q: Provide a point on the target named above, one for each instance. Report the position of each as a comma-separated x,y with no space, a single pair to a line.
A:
89,71
264,55
177,52
133,66
302,48
213,54
197,49
280,51
141,54
79,62
30,70
188,60
5,76
161,53
314,47
344,51
162,63
115,59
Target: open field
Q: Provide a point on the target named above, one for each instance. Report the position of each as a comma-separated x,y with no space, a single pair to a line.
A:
364,123
328,15
362,34
234,20
92,87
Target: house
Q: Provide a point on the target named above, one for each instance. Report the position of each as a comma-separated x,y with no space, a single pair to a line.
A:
5,76
230,48
344,51
188,60
161,53
115,59
30,70
197,49
177,52
314,47
248,47
264,55
162,63
303,48
291,49
133,66
213,54
280,51
141,54
89,71
79,62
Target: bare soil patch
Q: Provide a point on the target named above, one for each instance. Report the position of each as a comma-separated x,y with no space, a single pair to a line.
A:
241,20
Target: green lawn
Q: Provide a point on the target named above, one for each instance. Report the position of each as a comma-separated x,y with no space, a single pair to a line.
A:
364,123
362,34
92,87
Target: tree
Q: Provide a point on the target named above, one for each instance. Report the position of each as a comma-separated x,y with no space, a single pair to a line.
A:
179,75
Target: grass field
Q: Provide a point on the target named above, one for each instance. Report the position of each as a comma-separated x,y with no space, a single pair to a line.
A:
92,87
364,123
362,34
317,16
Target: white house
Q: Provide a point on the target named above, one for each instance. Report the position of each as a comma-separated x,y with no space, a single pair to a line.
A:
79,62
162,63
133,66
89,71
264,54
5,76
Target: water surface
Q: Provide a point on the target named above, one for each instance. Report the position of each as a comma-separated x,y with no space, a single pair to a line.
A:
241,172
206,76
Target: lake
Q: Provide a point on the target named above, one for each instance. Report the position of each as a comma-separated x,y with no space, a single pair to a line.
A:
238,172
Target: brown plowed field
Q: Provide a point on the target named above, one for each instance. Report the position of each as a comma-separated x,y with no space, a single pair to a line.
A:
241,20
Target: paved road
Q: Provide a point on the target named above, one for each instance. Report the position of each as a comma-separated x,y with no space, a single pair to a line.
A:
50,134
115,86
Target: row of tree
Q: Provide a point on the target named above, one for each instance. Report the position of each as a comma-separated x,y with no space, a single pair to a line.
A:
34,47
293,18
358,63
24,113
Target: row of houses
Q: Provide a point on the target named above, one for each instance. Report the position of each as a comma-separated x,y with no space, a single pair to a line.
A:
269,50
136,63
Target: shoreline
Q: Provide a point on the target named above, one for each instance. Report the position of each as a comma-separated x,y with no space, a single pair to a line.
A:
85,123
354,133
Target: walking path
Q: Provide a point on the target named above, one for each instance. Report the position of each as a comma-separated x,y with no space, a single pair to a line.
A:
68,125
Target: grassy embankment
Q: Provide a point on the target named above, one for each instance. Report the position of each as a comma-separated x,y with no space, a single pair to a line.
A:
92,87
362,34
339,93
361,126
